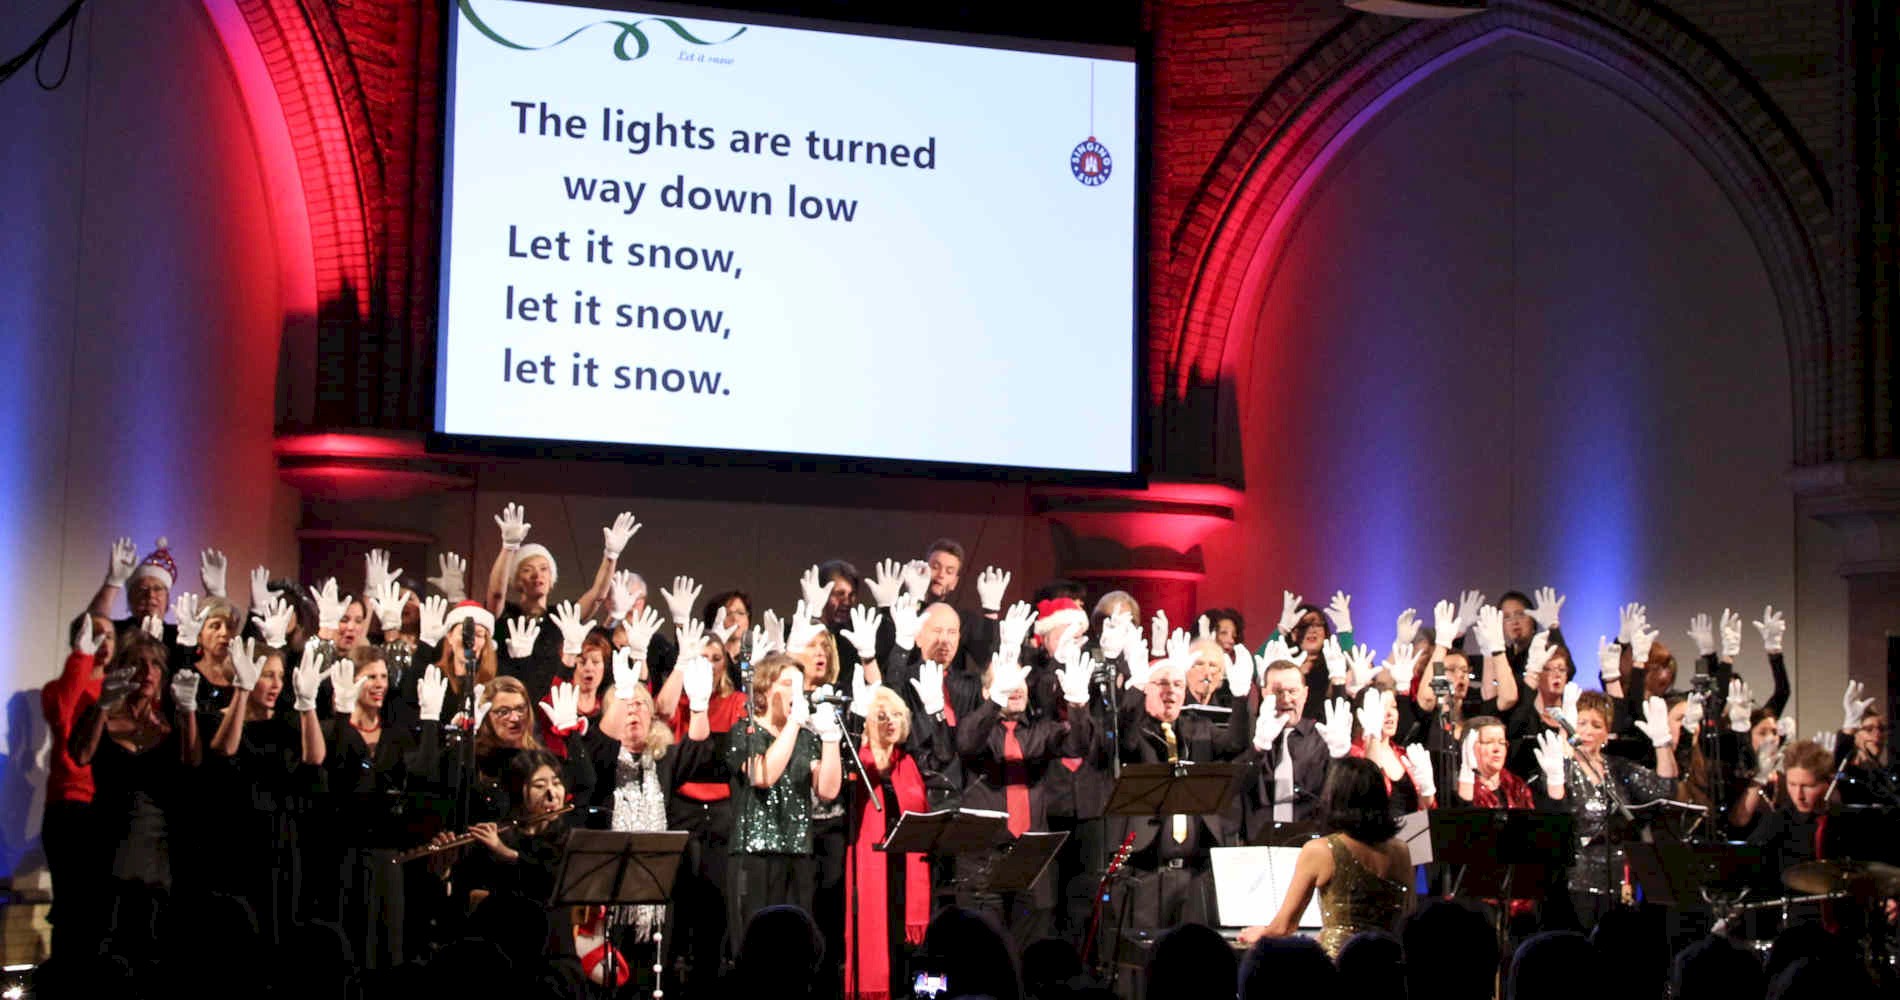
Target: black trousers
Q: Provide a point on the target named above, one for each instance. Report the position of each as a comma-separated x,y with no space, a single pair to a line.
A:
78,862
1078,869
826,864
762,880
697,921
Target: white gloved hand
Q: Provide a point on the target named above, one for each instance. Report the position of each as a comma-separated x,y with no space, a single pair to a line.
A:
376,571
191,619
1371,717
1571,693
813,592
307,679
1609,659
1180,648
1772,626
153,626
562,707
697,683
1767,761
1074,678
1445,623
522,635
1335,660
1267,728
261,594
120,562
330,607
798,710
453,580
1655,722
885,585
1135,657
1470,602
680,599
1404,664
1731,635
907,621
1535,660
86,643
804,633
433,626
766,642
1015,627
514,530
1240,672
1641,641
916,578
722,631
1854,707
1826,741
863,632
1422,777
826,725
1629,618
1336,728
861,691
1550,754
1405,631
1276,650
1703,633
640,630
929,687
1468,758
1005,679
1740,705
388,598
1203,629
343,687
614,537
245,664
185,690
567,618
1289,613
627,670
1692,712
274,622
1490,630
1549,605
1114,636
1786,730
692,636
211,570
432,689
114,687
1360,667
1340,612
774,632
990,585
1158,634
619,597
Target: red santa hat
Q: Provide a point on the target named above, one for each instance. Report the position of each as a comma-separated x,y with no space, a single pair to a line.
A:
159,565
1058,613
469,611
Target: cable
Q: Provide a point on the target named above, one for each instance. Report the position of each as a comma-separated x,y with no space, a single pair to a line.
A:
36,52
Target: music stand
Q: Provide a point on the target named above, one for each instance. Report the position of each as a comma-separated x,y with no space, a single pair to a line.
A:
947,833
1679,874
611,868
1156,790
1501,854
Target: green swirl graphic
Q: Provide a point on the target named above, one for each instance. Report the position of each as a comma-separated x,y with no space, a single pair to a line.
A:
628,29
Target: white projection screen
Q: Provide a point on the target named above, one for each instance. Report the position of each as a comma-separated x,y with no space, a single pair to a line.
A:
668,229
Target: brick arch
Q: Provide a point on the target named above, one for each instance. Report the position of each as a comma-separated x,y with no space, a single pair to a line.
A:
1229,237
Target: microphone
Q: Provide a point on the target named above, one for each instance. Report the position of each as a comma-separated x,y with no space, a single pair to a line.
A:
1567,728
835,698
468,638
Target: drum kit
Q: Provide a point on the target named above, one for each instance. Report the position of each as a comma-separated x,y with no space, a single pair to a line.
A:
1845,884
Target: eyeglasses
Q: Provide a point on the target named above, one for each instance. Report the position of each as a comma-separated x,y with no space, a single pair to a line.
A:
1516,616
511,712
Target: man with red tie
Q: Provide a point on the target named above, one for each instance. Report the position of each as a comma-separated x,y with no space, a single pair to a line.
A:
1005,755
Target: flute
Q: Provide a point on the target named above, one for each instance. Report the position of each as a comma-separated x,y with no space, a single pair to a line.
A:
469,838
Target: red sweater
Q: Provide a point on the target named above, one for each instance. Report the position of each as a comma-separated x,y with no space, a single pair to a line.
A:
62,701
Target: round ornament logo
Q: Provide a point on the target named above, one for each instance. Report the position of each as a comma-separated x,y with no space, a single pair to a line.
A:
1090,162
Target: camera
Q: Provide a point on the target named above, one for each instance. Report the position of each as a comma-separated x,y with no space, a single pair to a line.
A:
930,984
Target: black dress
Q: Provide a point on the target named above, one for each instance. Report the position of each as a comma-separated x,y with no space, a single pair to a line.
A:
134,796
272,792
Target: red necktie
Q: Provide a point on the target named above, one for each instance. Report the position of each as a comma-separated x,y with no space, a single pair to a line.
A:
1015,782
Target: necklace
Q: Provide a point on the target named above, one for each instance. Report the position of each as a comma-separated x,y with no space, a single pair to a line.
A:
365,729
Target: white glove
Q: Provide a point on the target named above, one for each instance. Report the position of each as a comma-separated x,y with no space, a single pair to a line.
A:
826,725
929,687
627,669
453,581
916,578
1550,758
120,563
863,632
1703,633
1772,626
431,690
1490,630
640,630
1629,618
274,622
1340,611
1360,667
185,690
86,644
1468,759
1005,679
813,592
1240,672
1422,777
614,537
1445,623
1534,661
114,687
1826,740
1741,703
906,621
885,584
330,607
154,626
990,585
804,633
211,569
619,597
1180,648
1767,761
765,642
522,634
1371,716
1470,602
774,632
1289,613
1203,629
306,679
1571,693
680,600
387,596
562,706
1655,722
433,626
343,687
1549,604
261,594
1267,728
1854,707
1336,729
191,620
1692,713
1158,634
1785,729
376,570
697,683
1075,677
723,631
1114,636
1404,664
245,665
1015,626
799,711
1609,659
1135,656
514,530
692,636
1277,650
1335,660
1405,632
1731,635
567,618
1640,643
861,691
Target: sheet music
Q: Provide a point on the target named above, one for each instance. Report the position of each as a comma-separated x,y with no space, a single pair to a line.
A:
1250,885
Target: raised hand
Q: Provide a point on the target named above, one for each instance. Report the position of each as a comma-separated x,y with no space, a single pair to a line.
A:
798,712
990,585
211,570
929,687
1740,704
697,683
115,687
1490,630
1445,623
388,598
1772,626
1692,713
1340,611
261,594
861,691
723,631
522,634
804,633
1609,659
1655,722
863,632
514,530
1468,758
916,577
191,620
1158,634
1549,605
1277,650
185,690
1470,602
1135,657
1826,741
120,562
306,679
627,670
640,630
452,581
1629,618
1202,629
245,665
1075,677
431,691
1005,679
1423,779
1731,635
1289,613
1405,631
1641,641
907,621
562,706
680,600
1703,633
774,630
86,643
1267,728
567,618
153,626
692,636
343,687
330,607
1853,706
619,596
433,627
1534,662
1404,664
813,592
1335,660
1550,753
885,585
1786,730
1571,693
1180,648
1015,627
1360,667
1336,728
614,537
1371,717
1240,672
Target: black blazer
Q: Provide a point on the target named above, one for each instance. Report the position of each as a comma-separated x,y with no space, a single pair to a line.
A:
1311,762
980,745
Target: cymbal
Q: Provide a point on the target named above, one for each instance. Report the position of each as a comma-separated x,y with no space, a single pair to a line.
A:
1843,876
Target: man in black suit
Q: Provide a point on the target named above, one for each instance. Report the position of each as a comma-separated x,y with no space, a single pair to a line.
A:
1285,768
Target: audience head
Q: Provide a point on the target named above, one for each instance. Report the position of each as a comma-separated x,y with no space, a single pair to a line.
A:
1451,951
1050,968
1286,967
1372,964
1716,968
780,952
1553,965
1807,940
1820,979
970,950
1192,960
1635,946
1356,803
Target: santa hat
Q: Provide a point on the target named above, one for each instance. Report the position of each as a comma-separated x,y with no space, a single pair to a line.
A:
469,611
1058,613
159,565
534,549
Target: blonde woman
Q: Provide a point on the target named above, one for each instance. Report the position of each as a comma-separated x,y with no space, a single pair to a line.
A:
783,752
